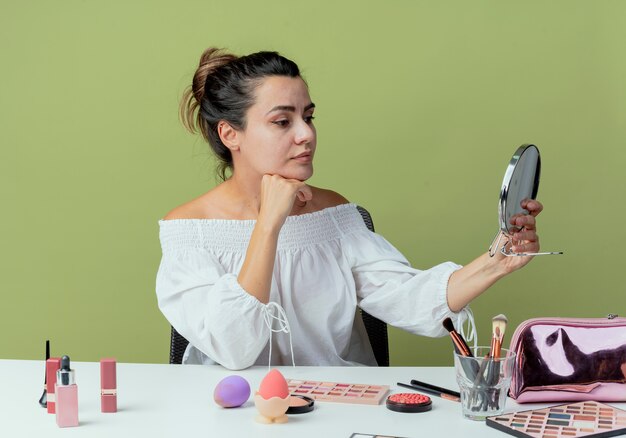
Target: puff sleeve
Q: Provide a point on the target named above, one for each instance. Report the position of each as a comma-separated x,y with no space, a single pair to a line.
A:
209,308
391,290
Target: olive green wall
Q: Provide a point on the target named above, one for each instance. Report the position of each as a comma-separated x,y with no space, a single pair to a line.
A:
420,105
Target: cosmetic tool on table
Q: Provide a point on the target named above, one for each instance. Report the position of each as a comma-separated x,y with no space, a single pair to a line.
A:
461,348
66,393
232,392
588,419
369,435
498,327
432,390
53,364
108,385
339,392
43,401
409,402
272,399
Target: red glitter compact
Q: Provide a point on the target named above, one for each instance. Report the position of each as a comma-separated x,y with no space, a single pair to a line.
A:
409,402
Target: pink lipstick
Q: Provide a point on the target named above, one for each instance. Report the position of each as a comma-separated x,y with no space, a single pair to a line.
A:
108,385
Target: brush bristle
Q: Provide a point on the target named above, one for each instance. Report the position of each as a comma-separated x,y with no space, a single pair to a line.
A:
447,323
499,323
500,317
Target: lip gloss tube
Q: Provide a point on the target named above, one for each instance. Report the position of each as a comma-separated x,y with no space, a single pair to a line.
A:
52,366
108,385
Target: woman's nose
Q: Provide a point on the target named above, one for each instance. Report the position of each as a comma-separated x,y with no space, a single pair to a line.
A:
305,132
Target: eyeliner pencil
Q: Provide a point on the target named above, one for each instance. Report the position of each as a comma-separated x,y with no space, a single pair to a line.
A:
433,390
418,384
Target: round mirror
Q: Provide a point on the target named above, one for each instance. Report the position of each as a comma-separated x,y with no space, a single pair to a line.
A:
521,181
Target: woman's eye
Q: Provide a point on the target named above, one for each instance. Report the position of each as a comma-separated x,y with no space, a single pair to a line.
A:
309,119
281,122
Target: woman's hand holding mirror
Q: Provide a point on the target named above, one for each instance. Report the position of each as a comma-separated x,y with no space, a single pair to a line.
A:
518,207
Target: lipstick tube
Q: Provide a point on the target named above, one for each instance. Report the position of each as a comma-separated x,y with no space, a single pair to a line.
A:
52,366
108,385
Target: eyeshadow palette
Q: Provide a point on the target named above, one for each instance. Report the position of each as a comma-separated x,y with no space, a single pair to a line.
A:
588,419
369,435
339,392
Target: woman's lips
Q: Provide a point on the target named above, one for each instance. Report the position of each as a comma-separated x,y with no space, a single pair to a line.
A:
303,158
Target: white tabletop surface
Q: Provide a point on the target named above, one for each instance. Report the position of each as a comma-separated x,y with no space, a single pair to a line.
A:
175,400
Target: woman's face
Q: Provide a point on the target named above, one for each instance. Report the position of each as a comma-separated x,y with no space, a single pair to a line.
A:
279,138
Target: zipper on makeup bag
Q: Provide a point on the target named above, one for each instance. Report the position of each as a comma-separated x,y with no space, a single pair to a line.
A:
612,320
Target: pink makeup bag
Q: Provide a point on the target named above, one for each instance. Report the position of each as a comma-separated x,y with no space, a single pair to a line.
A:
569,359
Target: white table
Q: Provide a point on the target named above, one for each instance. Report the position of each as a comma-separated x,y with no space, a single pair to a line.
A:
175,400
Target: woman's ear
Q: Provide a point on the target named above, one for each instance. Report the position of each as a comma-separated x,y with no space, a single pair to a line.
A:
228,135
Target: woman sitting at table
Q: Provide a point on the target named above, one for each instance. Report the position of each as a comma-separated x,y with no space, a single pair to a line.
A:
263,240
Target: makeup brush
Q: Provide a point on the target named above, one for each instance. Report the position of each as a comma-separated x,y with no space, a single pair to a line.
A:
462,349
460,346
43,401
498,324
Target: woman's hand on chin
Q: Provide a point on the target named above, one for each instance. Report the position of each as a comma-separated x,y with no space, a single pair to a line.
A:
278,195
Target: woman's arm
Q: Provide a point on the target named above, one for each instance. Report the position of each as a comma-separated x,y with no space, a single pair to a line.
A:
476,277
277,197
206,304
